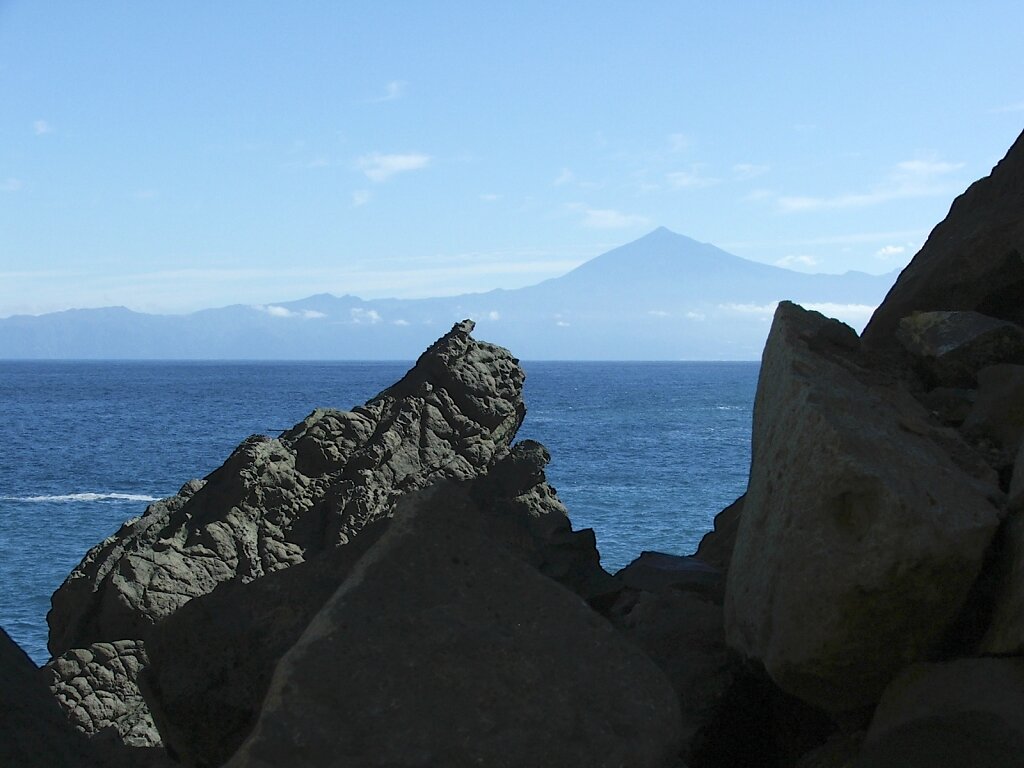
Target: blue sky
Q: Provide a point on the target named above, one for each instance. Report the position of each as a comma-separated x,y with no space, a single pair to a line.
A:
174,156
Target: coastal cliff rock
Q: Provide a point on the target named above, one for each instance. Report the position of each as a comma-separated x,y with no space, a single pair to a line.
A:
277,502
973,260
211,662
864,526
443,648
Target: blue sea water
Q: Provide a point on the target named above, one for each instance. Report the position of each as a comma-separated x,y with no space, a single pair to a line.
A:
644,453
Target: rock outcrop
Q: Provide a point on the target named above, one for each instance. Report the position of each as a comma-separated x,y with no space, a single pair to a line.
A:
864,526
273,504
212,661
443,648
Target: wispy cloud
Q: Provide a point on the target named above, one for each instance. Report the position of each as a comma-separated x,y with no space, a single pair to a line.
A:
275,310
146,194
679,142
41,127
751,309
608,218
565,176
490,197
794,260
362,316
744,171
10,185
360,197
394,89
658,313
380,167
888,251
690,179
698,316
910,178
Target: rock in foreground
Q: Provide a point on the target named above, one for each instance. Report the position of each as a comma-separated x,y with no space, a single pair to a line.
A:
442,648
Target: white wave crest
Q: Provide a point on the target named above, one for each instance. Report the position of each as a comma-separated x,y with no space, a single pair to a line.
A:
73,497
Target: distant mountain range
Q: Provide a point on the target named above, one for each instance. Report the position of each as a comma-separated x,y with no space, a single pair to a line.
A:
662,297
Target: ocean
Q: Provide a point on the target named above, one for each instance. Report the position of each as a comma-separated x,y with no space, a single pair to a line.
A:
644,453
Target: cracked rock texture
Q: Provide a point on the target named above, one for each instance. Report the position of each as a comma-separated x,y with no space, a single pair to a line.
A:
278,501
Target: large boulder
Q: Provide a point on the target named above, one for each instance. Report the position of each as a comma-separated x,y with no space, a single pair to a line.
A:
443,648
998,410
973,260
1004,634
717,545
211,662
275,503
864,524
967,713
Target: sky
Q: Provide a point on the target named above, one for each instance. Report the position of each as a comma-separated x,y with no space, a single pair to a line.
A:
173,156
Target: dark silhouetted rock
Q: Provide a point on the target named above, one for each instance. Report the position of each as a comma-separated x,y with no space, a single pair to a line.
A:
1015,500
973,260
717,545
949,405
860,537
998,410
967,713
656,571
950,348
96,687
33,730
211,662
443,648
1005,631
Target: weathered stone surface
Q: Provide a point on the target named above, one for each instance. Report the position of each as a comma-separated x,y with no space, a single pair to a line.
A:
1015,499
211,662
96,687
998,411
717,545
443,648
973,260
949,405
860,536
968,713
951,347
277,500
33,731
1005,634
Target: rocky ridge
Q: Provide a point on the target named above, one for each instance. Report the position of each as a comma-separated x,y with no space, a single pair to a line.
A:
399,585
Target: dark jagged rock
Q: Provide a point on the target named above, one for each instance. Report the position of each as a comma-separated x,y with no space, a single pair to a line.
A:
949,405
949,348
443,648
963,714
33,730
211,662
279,501
717,545
864,525
998,410
656,571
96,687
973,260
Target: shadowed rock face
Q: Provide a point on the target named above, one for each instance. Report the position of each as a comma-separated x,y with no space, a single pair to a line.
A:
443,648
861,534
211,662
973,260
275,501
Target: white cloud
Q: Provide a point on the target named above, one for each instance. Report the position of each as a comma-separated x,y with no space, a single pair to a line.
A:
744,171
400,322
751,309
362,316
797,260
273,310
888,251
379,167
494,315
395,89
490,197
699,316
565,176
42,127
360,197
312,314
10,185
1016,107
909,179
607,218
561,323
658,313
691,179
147,194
